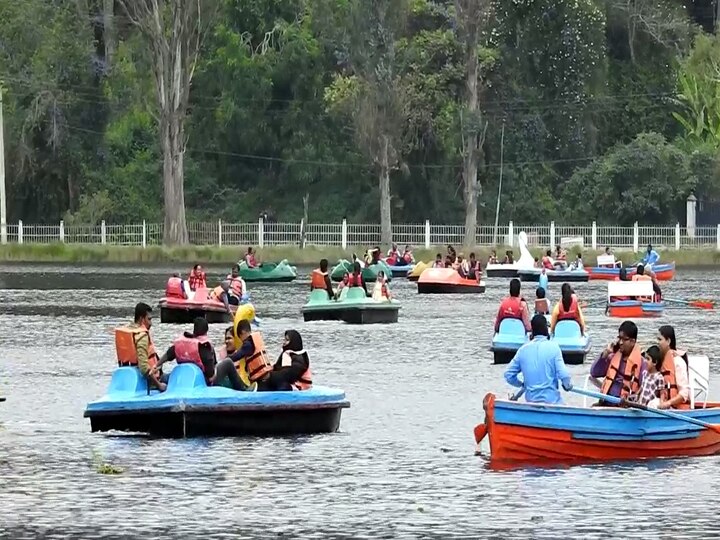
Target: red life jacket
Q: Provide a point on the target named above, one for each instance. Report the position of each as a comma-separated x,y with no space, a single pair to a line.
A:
547,263
511,308
196,281
187,350
570,314
355,280
174,288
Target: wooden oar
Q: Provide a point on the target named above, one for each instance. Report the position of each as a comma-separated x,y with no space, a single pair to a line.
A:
591,303
632,405
701,304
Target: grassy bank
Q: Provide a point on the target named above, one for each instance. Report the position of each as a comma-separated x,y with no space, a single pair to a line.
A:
74,253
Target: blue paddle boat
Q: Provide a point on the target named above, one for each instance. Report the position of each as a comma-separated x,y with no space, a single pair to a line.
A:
402,270
573,344
506,342
189,408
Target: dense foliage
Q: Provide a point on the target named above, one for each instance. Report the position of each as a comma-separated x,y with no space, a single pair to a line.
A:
604,110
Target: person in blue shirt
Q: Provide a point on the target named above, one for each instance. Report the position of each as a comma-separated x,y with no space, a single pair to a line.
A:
651,256
541,365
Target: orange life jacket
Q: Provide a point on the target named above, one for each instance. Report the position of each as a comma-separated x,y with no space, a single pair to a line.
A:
126,346
630,375
174,288
258,364
570,314
187,350
511,308
216,293
236,285
317,280
355,280
305,380
667,370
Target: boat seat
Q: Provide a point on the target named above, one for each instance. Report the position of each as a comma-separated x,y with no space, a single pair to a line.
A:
512,327
567,329
318,295
128,380
355,293
185,377
201,294
699,378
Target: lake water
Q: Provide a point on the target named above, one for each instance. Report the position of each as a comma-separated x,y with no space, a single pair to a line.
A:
402,465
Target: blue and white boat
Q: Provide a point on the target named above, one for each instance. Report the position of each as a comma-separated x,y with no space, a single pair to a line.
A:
190,408
509,338
512,336
573,344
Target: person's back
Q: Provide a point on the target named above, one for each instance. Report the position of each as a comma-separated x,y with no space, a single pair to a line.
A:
542,304
542,367
135,348
194,348
567,309
321,280
174,288
513,307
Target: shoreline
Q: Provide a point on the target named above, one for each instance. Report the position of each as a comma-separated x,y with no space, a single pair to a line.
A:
311,255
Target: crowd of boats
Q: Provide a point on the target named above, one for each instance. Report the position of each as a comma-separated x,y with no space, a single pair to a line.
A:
357,291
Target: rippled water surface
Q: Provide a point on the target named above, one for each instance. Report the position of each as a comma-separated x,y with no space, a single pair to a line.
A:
402,465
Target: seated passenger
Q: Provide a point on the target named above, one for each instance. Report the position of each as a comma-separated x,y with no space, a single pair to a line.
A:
227,378
674,371
567,309
380,289
448,262
193,348
513,307
640,274
542,367
252,352
393,255
493,257
292,369
134,346
343,283
547,262
474,270
459,266
250,259
652,387
174,287
321,280
620,366
438,261
355,279
560,254
451,253
656,285
542,304
508,257
407,257
197,278
577,263
237,287
221,293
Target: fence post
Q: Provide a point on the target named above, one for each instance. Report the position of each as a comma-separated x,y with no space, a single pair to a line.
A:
594,236
677,237
636,237
220,232
343,234
511,234
3,232
427,234
718,237
20,232
62,231
552,234
144,236
103,233
261,233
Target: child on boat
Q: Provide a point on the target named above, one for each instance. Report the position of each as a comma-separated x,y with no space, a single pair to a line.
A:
542,304
653,382
381,291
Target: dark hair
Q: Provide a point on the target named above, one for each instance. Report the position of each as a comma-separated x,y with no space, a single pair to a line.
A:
236,267
540,293
294,339
196,267
229,330
141,311
539,326
356,268
654,353
623,274
566,292
472,255
514,287
243,326
548,253
668,332
323,265
649,247
629,328
249,249
438,256
640,270
176,274
200,327
381,273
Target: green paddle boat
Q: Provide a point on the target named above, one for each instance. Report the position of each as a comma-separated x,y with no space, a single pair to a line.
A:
268,272
369,273
352,307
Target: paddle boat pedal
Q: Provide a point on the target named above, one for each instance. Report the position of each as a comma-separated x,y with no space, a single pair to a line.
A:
189,408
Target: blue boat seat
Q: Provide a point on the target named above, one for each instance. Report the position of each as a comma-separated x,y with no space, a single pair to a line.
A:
567,329
512,327
128,380
185,377
318,295
355,293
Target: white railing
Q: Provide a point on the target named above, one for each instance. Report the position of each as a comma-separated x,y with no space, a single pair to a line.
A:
353,234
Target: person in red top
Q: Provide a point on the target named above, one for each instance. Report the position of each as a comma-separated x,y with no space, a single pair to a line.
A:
174,287
547,261
513,307
197,278
250,259
355,279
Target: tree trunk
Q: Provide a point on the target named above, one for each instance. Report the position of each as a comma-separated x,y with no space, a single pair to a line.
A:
471,141
384,177
303,233
173,146
109,35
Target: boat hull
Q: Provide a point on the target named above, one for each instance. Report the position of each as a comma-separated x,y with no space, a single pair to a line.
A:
633,309
501,271
554,276
523,433
186,315
449,288
663,272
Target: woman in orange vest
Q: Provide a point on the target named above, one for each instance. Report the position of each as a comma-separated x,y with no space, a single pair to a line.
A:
197,279
674,370
319,279
292,369
253,352
567,309
620,366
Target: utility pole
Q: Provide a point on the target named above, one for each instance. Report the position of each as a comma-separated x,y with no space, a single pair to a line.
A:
3,204
497,207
